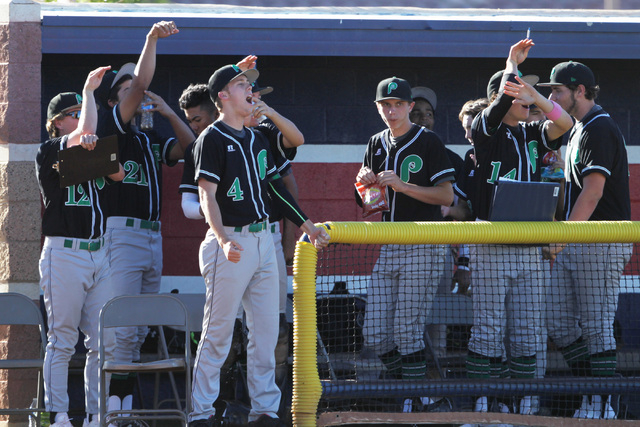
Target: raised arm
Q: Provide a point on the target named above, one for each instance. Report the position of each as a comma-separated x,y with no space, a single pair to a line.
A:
292,137
89,112
180,128
559,120
145,69
517,54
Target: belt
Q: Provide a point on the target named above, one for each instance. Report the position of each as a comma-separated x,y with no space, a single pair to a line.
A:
85,245
144,224
273,228
253,228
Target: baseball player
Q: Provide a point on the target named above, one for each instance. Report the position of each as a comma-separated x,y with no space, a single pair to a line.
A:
508,276
235,172
582,302
74,267
411,162
133,226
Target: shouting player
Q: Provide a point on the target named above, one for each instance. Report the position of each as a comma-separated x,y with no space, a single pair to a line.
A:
412,163
508,275
583,298
235,171
74,267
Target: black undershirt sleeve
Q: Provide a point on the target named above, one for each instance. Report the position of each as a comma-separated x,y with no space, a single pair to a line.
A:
286,203
498,108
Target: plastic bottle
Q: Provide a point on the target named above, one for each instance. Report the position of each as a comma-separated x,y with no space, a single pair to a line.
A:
146,118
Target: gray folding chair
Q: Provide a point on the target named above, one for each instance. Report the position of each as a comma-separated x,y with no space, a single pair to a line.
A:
17,309
145,310
194,304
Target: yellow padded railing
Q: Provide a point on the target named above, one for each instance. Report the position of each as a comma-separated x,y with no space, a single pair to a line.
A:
307,389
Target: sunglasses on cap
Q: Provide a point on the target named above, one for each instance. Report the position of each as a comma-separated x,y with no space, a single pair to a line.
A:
74,114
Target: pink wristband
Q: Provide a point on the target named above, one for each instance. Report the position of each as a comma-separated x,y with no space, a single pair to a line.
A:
554,114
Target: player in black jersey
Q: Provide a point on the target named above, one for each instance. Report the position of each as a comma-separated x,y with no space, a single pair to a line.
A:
134,205
582,302
412,163
74,266
235,171
507,148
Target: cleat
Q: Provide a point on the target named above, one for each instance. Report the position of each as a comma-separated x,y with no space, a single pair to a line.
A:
62,420
482,404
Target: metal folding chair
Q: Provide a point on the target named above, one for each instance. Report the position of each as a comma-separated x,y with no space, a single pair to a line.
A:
17,309
194,304
145,310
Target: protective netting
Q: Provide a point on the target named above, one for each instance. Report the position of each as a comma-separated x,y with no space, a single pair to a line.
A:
399,330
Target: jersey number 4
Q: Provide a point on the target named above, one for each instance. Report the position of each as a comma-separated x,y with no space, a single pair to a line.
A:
235,192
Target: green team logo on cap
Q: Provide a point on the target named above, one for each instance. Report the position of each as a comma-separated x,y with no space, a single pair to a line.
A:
78,99
391,87
553,71
235,67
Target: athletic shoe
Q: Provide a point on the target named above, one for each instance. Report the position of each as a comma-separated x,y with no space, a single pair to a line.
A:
267,421
482,404
502,408
609,411
62,420
526,405
93,423
587,409
206,422
426,404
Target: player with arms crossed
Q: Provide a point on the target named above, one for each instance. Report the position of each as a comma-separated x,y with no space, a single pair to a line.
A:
235,171
583,298
412,163
74,267
508,276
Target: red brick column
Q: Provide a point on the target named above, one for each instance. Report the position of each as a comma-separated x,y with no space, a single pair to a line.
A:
20,59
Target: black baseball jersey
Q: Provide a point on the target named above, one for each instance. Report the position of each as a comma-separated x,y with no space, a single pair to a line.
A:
139,195
464,187
281,156
597,145
188,184
419,158
241,167
502,151
75,211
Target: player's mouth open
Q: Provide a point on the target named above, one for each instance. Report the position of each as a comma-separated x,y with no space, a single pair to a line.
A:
250,99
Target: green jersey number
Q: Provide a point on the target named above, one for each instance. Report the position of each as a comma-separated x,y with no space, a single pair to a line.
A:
496,171
76,190
235,192
132,168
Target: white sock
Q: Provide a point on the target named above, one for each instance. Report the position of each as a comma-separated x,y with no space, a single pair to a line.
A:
127,402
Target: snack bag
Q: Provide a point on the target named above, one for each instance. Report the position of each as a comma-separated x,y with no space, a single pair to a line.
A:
374,198
549,172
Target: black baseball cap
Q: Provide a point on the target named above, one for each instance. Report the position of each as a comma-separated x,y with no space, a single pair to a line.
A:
394,88
222,76
571,73
496,79
63,102
110,79
263,90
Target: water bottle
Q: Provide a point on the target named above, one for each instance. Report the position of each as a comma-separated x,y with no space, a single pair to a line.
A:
146,118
